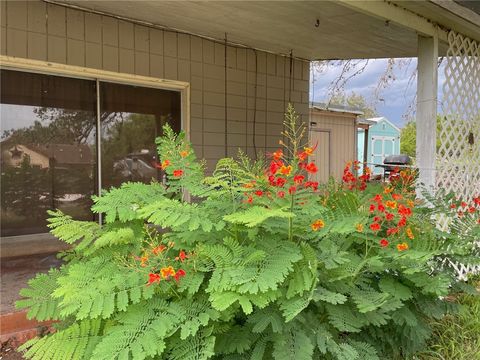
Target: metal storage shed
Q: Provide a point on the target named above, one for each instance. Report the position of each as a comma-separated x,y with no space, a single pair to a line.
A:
383,139
333,129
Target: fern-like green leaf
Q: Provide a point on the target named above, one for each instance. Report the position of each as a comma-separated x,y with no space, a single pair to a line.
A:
38,297
98,288
293,344
123,203
256,215
76,342
141,331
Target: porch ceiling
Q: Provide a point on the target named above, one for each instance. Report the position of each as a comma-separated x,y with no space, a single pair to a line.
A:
343,32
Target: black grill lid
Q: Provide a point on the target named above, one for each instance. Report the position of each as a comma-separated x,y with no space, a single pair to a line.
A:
397,160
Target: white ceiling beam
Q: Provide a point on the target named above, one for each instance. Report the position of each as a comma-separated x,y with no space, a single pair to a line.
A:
398,15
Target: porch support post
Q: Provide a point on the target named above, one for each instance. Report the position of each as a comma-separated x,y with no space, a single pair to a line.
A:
366,139
426,119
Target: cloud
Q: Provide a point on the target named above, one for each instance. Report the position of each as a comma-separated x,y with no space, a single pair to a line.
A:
394,101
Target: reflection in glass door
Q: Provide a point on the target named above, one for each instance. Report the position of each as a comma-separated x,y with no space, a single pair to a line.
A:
47,148
131,119
49,143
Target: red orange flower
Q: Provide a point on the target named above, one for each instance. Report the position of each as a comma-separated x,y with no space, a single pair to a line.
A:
143,261
177,173
259,193
312,184
249,185
403,210
392,231
298,179
397,196
184,153
292,190
153,278
167,272
179,274
402,246
181,256
158,249
281,182
308,150
286,170
384,243
375,226
281,194
389,216
409,233
402,222
277,155
311,168
359,227
391,204
317,225
165,163
274,166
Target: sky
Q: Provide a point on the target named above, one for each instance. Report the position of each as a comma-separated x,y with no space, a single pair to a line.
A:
396,102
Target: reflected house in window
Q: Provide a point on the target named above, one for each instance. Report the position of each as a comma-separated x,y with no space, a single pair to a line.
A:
61,156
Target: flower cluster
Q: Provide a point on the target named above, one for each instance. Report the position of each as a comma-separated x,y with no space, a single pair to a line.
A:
403,180
176,162
351,181
391,212
158,260
317,225
462,208
283,177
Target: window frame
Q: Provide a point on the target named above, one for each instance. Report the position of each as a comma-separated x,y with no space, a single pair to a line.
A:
21,245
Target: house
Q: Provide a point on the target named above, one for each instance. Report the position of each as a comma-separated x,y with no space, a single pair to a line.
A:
109,74
383,139
333,131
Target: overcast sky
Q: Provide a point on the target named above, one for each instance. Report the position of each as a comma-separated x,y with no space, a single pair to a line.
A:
394,102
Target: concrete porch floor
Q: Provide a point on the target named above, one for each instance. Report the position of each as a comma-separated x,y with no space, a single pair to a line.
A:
15,273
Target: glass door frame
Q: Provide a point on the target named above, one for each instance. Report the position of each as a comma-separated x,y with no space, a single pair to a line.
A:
9,245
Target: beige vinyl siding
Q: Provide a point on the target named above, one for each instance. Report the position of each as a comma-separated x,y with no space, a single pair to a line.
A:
53,33
342,129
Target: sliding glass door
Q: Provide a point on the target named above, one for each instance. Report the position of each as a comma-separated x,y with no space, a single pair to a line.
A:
49,155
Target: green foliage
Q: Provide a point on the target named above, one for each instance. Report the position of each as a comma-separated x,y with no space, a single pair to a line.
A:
253,268
408,137
457,336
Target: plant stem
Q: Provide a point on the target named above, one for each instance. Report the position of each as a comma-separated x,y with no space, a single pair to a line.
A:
290,220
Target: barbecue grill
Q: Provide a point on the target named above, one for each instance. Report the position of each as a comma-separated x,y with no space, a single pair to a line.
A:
394,161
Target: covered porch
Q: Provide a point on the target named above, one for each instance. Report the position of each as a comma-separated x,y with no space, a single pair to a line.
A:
312,30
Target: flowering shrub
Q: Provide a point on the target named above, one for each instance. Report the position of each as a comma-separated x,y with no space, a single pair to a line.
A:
264,263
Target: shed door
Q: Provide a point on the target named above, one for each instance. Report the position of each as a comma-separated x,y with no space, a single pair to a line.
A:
321,155
382,146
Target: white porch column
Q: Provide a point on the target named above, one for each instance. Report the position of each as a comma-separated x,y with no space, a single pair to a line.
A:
426,119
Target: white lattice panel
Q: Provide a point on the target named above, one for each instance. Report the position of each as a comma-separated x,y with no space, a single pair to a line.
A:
458,158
